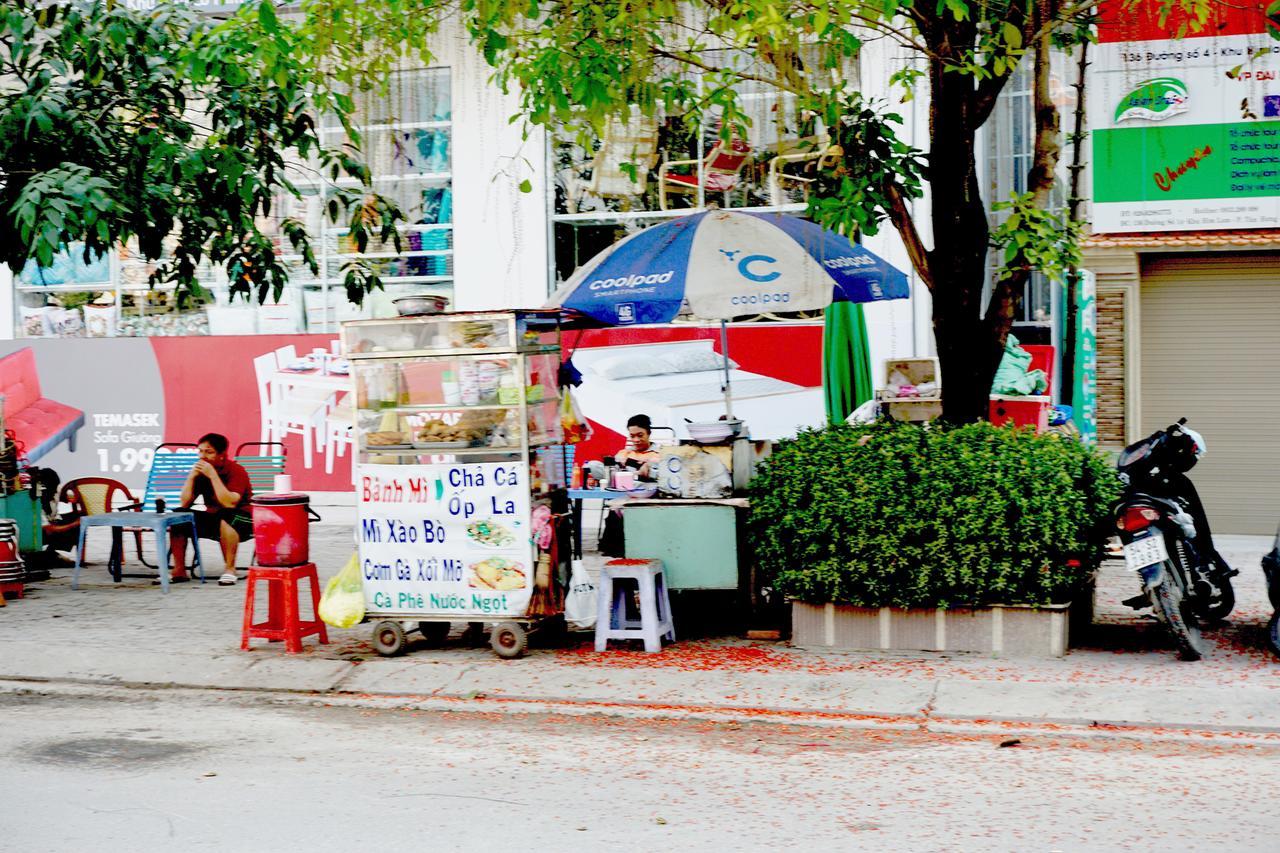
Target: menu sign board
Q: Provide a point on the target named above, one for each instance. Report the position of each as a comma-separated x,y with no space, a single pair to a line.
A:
445,540
1184,125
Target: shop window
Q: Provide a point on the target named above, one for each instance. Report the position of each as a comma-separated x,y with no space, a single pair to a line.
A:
642,170
1010,145
669,163
406,140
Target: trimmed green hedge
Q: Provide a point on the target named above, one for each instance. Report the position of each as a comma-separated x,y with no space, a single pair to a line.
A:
900,515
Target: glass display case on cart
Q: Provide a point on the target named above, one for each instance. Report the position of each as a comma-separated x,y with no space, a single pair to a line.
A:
455,418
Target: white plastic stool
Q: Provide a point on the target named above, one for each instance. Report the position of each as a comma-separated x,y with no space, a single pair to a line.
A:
612,622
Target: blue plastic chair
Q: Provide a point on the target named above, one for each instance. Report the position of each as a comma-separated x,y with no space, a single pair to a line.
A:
169,469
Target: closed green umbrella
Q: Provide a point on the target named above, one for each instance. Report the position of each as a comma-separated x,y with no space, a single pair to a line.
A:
846,360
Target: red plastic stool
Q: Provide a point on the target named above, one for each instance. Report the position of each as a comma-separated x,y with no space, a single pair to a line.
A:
283,622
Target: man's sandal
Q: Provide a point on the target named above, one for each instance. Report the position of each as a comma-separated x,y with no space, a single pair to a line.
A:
227,579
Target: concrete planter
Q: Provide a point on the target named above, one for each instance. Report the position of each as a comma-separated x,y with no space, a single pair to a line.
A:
1000,630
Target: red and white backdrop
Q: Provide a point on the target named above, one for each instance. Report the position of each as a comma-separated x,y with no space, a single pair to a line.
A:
789,353
137,393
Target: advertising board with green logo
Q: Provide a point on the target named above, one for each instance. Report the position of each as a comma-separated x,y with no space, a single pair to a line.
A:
1185,133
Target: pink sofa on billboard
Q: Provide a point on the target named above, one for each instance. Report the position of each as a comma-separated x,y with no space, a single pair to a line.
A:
38,423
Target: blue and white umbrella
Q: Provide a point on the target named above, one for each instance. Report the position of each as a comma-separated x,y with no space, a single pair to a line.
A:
721,264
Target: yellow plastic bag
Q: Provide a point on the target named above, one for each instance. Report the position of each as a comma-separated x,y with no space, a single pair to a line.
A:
342,604
574,426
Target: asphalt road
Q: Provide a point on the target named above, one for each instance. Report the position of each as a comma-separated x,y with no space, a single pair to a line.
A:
172,770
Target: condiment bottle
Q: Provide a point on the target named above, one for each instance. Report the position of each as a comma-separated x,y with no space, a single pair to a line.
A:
449,386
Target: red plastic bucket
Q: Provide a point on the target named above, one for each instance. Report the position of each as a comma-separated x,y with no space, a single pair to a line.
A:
282,529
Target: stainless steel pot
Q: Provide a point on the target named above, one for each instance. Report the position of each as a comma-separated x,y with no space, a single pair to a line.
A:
411,306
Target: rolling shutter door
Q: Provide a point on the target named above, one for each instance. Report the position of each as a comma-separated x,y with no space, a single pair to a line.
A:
1210,345
1111,368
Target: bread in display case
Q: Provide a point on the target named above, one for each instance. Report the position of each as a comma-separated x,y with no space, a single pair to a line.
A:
459,332
468,383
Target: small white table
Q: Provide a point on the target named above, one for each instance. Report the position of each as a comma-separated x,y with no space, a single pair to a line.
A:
282,379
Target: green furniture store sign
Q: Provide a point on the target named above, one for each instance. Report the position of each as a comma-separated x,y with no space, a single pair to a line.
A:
1186,132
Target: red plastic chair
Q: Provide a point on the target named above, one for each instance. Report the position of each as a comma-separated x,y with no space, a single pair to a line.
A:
94,496
721,172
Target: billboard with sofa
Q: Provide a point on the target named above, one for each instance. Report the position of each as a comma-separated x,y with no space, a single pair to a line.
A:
90,407
99,407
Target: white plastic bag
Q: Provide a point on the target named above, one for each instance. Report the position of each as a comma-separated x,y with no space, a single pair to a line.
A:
580,603
867,413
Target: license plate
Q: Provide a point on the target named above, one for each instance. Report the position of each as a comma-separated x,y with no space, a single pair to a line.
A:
1144,552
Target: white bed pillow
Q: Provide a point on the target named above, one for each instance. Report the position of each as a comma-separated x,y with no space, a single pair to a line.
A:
696,360
628,366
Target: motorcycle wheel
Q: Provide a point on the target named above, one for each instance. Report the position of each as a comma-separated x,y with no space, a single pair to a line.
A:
1273,632
1218,606
1181,620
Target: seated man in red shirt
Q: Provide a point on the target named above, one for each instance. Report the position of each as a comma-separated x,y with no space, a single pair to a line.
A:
225,487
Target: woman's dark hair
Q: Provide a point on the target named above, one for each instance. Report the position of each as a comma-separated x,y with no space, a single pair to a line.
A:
641,421
218,442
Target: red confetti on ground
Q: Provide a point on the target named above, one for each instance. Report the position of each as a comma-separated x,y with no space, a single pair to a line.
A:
700,657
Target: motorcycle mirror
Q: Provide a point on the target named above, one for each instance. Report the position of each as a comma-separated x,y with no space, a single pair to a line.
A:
1181,421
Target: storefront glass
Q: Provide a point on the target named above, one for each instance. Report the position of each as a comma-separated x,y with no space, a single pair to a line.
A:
406,138
644,170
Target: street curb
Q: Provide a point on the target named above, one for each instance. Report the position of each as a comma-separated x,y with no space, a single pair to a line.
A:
635,710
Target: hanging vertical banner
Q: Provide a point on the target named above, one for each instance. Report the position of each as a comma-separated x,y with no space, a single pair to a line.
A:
1085,392
445,540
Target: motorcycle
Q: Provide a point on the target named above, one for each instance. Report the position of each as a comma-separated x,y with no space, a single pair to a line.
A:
1167,540
1271,568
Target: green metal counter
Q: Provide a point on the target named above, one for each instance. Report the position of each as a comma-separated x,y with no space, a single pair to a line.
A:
22,508
698,541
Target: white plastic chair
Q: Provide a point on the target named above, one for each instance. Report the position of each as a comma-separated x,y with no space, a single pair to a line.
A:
264,366
632,143
339,428
290,414
287,355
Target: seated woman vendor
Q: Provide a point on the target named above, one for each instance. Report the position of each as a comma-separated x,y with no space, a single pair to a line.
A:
639,452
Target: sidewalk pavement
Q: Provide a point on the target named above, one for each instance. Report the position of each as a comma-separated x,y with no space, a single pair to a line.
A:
131,635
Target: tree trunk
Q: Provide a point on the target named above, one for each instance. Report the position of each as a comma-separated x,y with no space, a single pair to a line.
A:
960,235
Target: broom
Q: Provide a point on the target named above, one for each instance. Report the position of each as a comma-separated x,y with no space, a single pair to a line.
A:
547,600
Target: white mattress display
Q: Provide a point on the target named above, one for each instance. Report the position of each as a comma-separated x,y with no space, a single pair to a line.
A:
771,408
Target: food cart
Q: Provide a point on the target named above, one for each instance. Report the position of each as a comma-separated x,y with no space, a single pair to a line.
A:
455,415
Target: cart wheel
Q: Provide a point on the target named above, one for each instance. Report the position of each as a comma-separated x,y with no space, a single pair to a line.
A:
388,638
509,640
435,633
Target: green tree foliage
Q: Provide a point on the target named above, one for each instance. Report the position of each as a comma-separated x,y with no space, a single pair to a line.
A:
583,60
119,125
899,515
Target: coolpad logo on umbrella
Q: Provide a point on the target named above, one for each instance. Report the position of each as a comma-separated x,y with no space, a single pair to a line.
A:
749,267
847,263
1154,100
631,280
